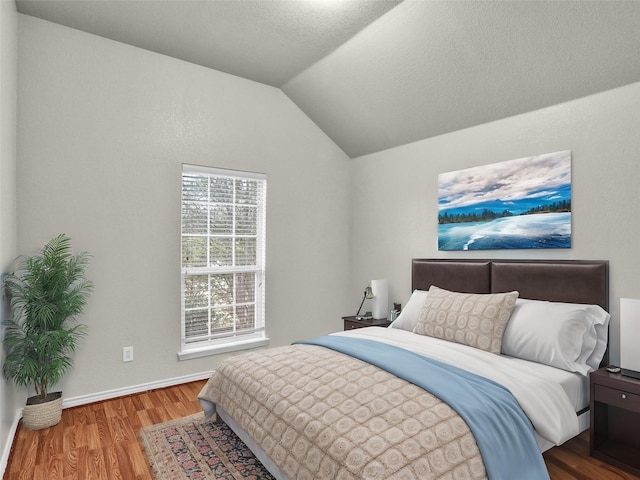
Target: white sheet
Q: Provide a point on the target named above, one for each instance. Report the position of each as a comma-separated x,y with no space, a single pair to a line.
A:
575,385
539,393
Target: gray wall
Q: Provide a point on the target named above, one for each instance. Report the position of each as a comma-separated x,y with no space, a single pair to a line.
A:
394,192
11,399
103,129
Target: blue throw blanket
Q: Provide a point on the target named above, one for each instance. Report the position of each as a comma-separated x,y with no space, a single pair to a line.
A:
502,431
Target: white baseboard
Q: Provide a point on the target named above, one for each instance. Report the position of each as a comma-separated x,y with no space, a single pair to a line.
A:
7,448
98,397
124,391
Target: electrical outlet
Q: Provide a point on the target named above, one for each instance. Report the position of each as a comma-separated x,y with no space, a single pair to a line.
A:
127,354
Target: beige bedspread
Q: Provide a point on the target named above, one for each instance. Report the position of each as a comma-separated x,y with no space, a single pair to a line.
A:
320,414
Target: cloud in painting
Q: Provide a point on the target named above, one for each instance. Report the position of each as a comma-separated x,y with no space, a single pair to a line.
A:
544,176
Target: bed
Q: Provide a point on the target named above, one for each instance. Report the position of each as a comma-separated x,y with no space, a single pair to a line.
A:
498,391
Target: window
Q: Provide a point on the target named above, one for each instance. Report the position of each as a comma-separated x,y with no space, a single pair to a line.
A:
223,274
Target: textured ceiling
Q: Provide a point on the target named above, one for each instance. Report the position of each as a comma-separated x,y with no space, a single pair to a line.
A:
269,41
375,74
428,68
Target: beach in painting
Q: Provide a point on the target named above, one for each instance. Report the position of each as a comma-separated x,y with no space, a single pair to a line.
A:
518,204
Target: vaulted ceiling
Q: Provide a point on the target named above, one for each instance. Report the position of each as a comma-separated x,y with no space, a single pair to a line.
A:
375,74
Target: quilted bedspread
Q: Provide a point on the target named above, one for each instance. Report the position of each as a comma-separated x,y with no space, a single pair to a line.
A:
321,414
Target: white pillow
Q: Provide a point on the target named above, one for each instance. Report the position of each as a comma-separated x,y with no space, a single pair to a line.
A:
409,315
569,336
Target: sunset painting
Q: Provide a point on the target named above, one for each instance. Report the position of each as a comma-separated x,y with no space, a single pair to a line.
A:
517,204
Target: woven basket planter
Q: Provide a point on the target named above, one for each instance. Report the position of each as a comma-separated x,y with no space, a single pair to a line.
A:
43,415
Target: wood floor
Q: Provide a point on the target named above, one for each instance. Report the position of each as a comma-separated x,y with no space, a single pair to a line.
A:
100,441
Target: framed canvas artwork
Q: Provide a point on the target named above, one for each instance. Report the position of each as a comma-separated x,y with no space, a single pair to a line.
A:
517,204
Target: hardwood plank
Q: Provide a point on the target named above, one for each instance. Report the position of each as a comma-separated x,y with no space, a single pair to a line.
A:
114,408
125,463
146,402
102,424
96,464
70,465
30,449
119,430
55,467
111,463
82,465
137,403
144,419
132,412
100,441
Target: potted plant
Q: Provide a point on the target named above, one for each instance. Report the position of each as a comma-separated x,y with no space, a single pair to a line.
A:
46,292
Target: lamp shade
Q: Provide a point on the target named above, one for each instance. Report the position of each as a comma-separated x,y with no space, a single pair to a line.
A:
380,306
630,334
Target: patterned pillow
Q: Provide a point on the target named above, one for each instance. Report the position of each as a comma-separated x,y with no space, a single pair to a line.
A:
476,320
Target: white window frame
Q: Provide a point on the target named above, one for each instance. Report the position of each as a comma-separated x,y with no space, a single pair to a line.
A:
213,343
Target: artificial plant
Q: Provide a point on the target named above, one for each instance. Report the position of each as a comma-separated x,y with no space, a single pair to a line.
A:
46,292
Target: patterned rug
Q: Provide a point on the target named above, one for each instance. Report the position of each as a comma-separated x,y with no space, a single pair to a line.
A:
191,448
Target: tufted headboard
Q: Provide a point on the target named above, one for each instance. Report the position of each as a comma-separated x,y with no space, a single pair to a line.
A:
572,281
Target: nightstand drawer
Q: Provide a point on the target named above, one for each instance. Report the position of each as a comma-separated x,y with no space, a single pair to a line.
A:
618,398
351,325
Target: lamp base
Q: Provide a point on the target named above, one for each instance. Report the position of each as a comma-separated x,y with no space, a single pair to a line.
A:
630,373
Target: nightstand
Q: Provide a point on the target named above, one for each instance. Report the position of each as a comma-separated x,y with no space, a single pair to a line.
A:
352,322
615,420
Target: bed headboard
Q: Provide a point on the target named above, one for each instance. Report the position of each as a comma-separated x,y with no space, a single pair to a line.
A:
572,281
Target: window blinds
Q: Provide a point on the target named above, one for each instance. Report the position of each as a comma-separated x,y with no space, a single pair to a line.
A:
223,252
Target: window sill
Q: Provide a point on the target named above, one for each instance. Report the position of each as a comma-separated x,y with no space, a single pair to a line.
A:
224,348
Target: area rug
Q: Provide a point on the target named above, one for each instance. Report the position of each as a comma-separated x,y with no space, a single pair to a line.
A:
191,448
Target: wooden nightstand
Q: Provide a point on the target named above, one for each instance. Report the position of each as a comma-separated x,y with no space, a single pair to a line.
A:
352,322
615,420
